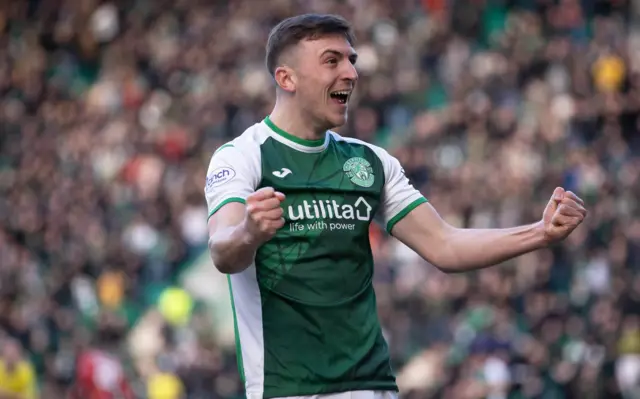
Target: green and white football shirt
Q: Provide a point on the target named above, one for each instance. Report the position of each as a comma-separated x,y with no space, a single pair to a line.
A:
305,311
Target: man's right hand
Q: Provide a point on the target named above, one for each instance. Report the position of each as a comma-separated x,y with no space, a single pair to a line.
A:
263,215
236,231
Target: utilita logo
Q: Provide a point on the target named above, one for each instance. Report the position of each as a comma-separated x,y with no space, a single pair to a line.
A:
328,215
219,177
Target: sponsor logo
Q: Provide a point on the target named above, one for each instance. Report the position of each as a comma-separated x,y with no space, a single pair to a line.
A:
328,214
282,173
219,177
359,171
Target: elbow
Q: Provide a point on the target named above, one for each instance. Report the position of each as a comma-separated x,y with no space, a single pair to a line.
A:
443,264
225,264
441,254
449,269
442,261
222,267
221,264
449,261
218,259
227,268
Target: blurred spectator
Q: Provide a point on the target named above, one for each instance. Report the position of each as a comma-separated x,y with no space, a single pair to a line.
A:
165,385
17,377
100,373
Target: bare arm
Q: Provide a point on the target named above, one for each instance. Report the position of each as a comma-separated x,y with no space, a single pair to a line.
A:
236,230
230,246
456,250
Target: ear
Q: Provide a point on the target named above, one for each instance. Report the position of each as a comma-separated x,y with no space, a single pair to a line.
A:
286,78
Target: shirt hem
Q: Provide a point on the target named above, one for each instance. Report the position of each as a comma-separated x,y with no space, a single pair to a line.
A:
331,389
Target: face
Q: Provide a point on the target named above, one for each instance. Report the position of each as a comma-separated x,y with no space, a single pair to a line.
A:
11,352
323,76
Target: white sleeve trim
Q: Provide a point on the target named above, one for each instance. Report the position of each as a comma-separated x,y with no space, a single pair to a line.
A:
233,174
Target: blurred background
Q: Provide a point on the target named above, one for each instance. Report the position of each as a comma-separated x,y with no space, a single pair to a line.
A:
109,114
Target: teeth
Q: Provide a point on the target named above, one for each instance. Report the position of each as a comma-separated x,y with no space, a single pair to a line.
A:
341,93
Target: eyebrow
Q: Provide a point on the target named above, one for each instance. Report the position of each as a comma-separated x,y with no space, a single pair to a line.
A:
353,56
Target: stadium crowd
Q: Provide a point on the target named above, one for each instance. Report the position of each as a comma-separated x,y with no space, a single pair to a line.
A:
110,111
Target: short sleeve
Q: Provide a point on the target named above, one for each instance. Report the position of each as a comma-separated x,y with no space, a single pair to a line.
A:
232,176
399,196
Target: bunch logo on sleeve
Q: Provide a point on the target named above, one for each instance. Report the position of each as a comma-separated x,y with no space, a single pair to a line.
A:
218,177
359,171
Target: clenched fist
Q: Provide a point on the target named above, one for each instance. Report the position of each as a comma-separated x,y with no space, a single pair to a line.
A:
264,214
564,212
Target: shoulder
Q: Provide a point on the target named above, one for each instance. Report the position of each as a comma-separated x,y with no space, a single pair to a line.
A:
250,140
238,160
380,152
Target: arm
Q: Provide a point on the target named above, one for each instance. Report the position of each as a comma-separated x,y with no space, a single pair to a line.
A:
229,245
408,217
459,250
236,231
240,218
232,177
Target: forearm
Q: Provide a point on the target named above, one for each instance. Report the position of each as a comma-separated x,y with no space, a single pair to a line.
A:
470,249
231,249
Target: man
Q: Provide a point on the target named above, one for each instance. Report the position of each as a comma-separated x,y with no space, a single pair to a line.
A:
17,376
290,203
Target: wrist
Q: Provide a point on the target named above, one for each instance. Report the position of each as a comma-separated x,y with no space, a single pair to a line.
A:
542,239
246,237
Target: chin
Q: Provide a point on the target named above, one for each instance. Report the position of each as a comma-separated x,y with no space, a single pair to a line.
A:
337,120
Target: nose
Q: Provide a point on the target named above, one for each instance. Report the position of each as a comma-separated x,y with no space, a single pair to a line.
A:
350,73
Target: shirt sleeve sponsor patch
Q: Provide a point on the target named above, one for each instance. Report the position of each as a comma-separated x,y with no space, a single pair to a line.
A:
219,177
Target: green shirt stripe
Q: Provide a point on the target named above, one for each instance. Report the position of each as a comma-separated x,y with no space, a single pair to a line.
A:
225,202
237,334
291,137
404,213
223,147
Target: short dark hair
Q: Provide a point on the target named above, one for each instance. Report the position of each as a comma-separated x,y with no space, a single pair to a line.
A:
291,31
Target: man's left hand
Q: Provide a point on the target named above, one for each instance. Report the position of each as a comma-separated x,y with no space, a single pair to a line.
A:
564,212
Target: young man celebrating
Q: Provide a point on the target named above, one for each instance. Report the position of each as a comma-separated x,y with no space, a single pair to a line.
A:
290,203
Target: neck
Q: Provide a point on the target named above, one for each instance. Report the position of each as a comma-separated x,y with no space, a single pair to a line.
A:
295,121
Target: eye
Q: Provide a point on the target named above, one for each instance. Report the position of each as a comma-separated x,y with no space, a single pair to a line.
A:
332,61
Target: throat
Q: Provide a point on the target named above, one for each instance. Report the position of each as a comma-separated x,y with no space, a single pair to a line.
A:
291,126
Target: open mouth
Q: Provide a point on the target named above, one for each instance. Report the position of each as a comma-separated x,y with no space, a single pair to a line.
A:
341,96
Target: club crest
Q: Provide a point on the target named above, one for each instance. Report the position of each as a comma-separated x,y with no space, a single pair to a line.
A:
359,171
